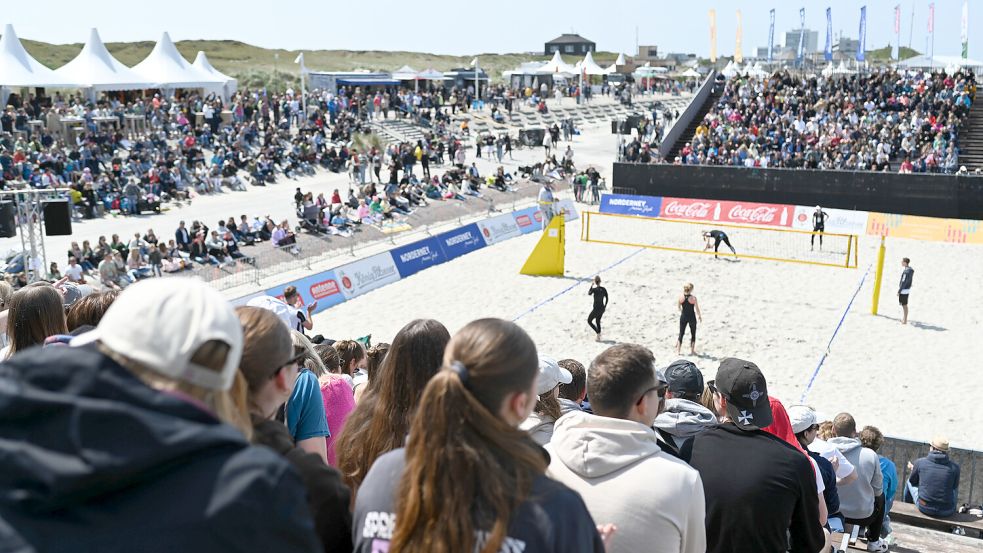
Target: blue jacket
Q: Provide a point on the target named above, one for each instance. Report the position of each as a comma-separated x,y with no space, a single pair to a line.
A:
890,473
937,480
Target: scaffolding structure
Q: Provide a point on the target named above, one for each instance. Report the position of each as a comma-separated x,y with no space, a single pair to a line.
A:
29,216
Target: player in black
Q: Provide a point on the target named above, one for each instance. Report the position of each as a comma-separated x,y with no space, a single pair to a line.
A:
600,304
818,225
714,238
689,311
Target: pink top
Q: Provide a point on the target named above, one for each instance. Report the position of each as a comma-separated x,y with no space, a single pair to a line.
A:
339,401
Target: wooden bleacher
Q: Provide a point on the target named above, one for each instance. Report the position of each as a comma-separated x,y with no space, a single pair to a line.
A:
907,513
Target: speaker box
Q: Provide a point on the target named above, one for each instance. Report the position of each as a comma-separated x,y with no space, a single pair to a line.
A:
8,225
57,218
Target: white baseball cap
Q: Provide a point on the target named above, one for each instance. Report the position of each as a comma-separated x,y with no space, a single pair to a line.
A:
162,322
801,417
550,375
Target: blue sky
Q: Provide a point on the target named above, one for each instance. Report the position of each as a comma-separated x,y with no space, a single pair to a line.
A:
455,27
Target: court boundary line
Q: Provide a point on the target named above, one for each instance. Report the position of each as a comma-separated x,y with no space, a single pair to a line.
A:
822,360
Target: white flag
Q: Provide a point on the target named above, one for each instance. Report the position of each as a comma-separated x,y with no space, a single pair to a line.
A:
300,60
965,31
474,62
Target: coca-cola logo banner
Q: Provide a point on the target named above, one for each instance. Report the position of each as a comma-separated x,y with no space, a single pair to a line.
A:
738,213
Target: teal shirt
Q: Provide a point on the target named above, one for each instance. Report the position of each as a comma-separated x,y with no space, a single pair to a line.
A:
305,409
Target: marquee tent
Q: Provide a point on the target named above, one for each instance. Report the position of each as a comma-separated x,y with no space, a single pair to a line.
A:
167,69
95,69
20,69
557,65
228,86
430,75
589,67
938,62
405,73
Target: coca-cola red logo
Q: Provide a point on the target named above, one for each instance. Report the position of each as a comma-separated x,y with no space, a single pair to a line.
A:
346,282
760,214
690,210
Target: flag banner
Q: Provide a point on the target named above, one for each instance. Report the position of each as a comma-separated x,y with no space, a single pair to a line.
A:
931,17
738,53
896,48
713,36
862,43
802,35
771,38
965,30
828,51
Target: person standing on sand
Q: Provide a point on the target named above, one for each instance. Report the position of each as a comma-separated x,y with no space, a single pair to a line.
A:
689,312
714,238
600,304
904,289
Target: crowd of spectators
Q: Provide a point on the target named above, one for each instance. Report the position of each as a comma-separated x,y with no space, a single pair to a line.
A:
885,120
250,434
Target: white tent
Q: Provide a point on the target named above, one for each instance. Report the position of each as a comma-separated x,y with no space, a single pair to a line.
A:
95,69
729,70
430,74
938,62
620,60
405,73
557,65
589,67
828,70
229,84
611,69
690,74
842,69
20,69
167,69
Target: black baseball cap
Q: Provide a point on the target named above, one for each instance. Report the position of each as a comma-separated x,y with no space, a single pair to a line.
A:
684,377
746,391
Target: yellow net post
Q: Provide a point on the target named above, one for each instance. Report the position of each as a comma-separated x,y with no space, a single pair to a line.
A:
878,276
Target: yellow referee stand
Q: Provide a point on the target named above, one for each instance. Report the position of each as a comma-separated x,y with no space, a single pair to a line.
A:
878,276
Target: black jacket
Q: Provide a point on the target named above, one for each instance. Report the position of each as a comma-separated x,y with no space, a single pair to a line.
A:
328,498
93,460
760,491
937,479
182,238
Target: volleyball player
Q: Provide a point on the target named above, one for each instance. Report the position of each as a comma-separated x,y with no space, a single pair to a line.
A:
714,238
818,225
689,312
600,304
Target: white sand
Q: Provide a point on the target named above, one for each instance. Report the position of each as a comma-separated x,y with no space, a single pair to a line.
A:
912,381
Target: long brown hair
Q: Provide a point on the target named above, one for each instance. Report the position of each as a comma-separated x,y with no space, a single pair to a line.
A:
36,312
466,469
348,351
380,422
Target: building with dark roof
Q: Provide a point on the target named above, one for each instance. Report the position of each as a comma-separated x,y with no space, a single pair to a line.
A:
570,44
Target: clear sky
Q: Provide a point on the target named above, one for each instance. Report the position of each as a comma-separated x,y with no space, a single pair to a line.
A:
465,27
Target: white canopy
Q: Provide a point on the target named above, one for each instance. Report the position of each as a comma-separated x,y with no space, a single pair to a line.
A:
620,60
557,65
828,70
590,67
166,68
229,84
95,68
18,68
430,74
690,74
842,69
611,69
729,70
405,73
924,62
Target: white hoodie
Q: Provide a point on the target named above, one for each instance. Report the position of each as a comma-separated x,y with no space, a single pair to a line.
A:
617,466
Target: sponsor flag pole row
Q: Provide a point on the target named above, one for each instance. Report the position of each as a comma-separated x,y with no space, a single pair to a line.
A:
965,30
862,42
771,38
738,53
713,36
828,50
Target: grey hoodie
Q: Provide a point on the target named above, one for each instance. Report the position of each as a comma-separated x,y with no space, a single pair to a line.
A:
683,419
569,406
857,498
624,477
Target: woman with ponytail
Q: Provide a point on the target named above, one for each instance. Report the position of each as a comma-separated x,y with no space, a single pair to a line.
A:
468,478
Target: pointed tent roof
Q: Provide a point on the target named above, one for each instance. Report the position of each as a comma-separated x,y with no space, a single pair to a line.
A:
18,68
557,65
590,67
430,74
94,67
166,68
405,73
620,60
202,64
611,69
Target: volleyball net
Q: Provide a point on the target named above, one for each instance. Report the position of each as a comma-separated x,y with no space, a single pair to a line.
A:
768,244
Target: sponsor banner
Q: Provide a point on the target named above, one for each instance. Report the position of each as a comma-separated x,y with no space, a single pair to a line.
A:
359,277
568,209
737,213
958,231
842,221
625,204
529,219
324,288
456,243
499,228
413,258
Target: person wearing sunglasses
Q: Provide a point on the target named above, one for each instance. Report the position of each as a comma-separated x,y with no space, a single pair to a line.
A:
605,457
270,364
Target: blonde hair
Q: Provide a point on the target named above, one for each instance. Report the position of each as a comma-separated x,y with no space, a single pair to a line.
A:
311,360
229,406
688,288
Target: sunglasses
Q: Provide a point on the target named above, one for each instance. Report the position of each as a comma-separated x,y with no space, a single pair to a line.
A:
298,357
660,388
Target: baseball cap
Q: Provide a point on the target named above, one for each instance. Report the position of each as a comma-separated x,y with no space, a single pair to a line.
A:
683,377
742,383
551,374
73,293
802,417
162,322
286,313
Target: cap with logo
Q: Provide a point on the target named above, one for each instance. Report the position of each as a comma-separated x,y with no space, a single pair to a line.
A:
162,322
746,391
683,377
551,374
